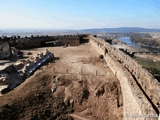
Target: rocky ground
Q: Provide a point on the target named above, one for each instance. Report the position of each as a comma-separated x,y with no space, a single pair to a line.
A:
79,85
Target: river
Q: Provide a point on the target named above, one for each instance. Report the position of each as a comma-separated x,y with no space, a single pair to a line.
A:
128,41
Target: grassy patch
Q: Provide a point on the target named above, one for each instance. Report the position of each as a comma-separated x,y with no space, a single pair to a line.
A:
151,66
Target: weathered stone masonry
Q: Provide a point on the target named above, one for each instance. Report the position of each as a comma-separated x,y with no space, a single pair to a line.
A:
5,51
139,88
37,41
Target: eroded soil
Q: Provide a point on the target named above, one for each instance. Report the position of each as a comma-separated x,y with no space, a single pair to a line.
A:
85,88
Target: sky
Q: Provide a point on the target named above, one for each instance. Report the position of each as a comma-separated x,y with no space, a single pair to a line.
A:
79,14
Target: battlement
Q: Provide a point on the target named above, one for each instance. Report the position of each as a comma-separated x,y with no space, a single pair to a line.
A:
38,41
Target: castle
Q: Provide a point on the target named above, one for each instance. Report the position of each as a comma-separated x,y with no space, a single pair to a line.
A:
140,90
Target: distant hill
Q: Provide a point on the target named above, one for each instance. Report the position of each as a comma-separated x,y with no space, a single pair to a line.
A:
121,29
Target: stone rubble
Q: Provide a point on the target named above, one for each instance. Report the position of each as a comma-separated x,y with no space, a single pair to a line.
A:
13,74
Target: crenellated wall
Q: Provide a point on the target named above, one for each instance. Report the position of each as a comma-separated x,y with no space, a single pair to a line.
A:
39,41
32,41
139,88
72,40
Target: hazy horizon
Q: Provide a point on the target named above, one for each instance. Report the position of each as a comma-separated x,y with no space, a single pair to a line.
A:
79,14
58,29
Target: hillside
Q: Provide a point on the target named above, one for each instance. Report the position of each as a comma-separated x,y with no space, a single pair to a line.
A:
122,29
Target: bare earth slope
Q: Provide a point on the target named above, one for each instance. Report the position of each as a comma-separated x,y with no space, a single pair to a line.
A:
85,88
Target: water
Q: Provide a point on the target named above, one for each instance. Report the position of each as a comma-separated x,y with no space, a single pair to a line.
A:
128,41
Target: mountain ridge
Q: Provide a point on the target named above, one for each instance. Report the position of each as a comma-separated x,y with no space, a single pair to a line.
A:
122,29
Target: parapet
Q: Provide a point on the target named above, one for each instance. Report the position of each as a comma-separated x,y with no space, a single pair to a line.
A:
139,85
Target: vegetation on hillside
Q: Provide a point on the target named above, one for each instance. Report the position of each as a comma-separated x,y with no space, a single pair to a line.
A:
151,66
145,39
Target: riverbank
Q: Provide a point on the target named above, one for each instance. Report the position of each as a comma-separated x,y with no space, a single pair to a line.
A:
128,41
121,45
145,57
152,49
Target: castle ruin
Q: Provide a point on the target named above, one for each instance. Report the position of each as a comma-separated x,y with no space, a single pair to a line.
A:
140,90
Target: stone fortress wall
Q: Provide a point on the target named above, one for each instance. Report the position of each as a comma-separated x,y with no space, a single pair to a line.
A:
5,51
70,39
141,91
37,41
